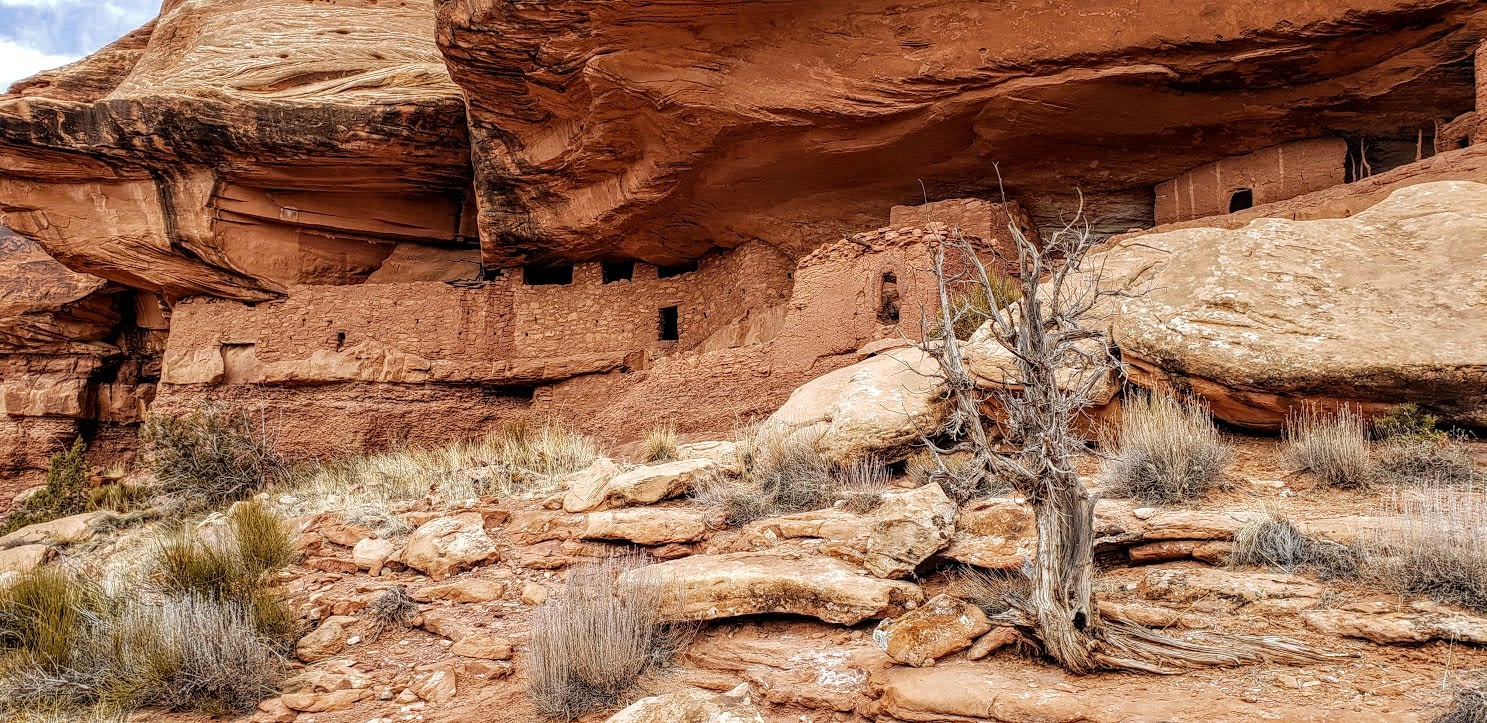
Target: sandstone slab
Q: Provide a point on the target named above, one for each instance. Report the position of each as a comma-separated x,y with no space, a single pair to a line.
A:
941,626
445,545
468,590
1420,624
645,526
1325,311
710,587
601,487
692,706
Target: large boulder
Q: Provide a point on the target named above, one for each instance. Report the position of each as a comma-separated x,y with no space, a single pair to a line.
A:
877,407
603,486
446,545
1381,308
890,541
692,706
645,526
709,587
941,626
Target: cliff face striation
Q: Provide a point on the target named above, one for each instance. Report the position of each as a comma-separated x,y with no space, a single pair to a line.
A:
394,223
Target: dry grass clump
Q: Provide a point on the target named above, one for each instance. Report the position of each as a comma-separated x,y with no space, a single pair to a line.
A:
1273,541
1413,461
1439,549
65,492
591,644
520,458
208,635
212,456
784,473
116,655
1470,706
660,445
1332,446
1169,450
971,306
994,591
394,609
953,473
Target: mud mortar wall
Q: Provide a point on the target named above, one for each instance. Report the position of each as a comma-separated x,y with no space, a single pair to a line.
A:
1273,174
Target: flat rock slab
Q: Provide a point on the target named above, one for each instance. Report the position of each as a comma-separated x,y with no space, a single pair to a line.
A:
645,526
61,531
604,486
710,587
1406,627
692,706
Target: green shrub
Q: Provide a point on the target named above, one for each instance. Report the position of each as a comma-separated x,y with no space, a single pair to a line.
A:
1169,451
1408,421
210,457
65,492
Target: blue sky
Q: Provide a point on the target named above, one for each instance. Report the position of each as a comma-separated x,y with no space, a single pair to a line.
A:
39,34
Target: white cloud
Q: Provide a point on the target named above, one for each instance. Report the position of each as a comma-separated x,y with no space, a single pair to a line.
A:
18,61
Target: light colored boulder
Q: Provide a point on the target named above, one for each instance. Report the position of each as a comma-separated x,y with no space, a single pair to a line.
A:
724,453
469,590
908,527
23,559
1421,623
877,407
890,541
371,554
489,647
692,706
324,641
939,627
589,490
61,531
645,526
313,702
1188,584
709,587
533,593
1262,318
997,534
445,545
436,686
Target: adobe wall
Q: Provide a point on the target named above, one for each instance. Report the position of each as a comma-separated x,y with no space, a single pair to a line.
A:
1481,135
1272,174
974,217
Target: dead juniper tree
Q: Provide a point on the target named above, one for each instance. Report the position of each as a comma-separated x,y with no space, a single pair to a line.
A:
1055,356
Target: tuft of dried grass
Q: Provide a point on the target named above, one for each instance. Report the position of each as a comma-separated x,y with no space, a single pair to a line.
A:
1438,549
1429,461
1169,450
393,609
520,458
660,445
589,646
1275,542
994,591
1332,446
1469,706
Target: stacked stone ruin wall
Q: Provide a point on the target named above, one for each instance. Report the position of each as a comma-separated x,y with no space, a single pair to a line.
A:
1270,174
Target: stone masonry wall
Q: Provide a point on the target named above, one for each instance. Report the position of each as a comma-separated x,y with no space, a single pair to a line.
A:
1272,174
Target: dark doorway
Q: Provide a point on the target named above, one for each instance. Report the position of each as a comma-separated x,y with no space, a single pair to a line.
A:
888,298
1242,199
670,330
618,271
547,275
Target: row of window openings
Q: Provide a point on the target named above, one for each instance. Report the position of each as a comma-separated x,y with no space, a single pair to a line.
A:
668,324
612,271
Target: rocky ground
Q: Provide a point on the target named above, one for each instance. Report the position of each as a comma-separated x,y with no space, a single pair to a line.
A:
479,572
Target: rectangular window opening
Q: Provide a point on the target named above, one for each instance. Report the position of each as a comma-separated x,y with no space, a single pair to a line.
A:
535,275
618,271
666,272
670,330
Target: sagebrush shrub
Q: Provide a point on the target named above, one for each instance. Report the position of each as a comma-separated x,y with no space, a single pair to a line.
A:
1438,549
1169,450
212,456
1273,541
592,643
1469,706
